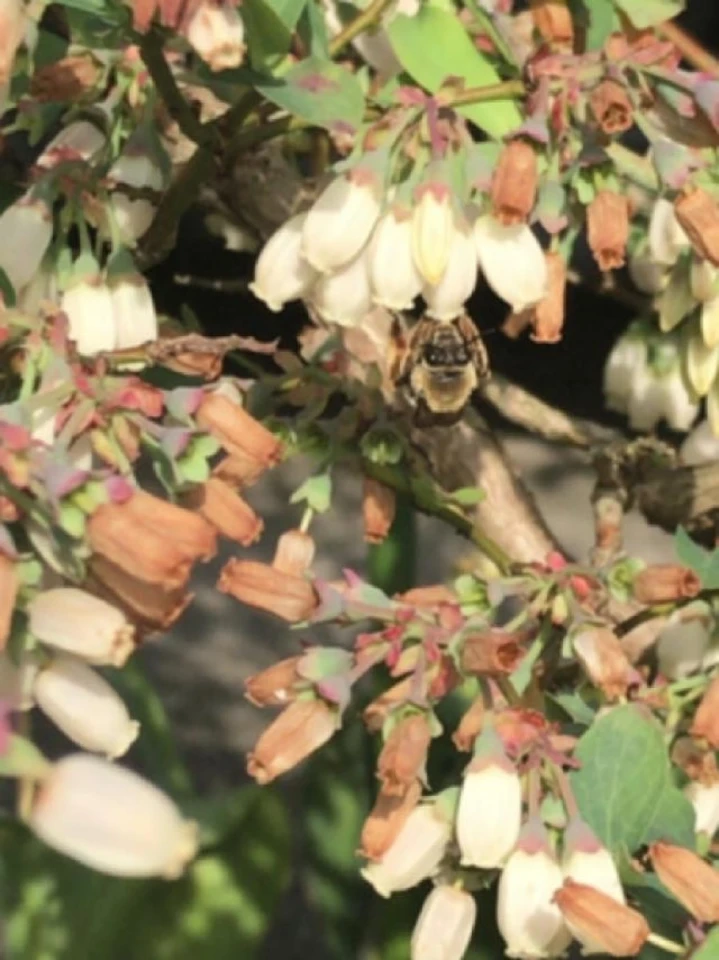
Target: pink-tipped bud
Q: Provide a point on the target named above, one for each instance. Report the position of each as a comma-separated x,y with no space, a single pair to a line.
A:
586,860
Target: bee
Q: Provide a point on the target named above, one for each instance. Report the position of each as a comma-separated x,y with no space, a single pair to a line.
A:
440,364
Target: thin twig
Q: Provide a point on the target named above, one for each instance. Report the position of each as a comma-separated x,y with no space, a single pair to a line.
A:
491,91
691,50
354,28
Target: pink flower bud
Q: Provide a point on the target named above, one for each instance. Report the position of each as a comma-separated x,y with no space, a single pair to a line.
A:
85,707
217,33
112,820
444,926
394,277
490,806
281,273
512,262
339,222
76,622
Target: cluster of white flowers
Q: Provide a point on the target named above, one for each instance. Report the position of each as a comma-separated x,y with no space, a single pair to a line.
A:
102,815
357,247
489,833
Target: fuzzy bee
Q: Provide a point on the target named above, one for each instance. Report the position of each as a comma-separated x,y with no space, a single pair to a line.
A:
440,364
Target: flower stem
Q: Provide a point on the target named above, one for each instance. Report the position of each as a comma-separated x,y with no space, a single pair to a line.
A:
690,49
669,946
367,18
492,91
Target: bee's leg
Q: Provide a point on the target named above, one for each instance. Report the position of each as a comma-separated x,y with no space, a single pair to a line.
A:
475,343
400,351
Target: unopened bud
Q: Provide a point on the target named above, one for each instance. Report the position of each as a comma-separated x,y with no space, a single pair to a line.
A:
76,622
444,926
604,660
149,606
302,727
228,513
259,585
548,321
294,553
693,881
586,860
665,583
236,430
273,686
553,20
378,509
705,725
514,184
698,213
404,754
600,923
493,651
611,107
608,229
386,819
470,726
379,709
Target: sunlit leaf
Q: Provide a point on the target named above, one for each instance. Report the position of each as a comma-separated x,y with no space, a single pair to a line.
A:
649,13
320,92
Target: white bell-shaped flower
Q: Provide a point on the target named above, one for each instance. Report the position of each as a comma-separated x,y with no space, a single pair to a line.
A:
701,446
88,304
415,854
446,299
667,238
344,297
647,276
646,401
132,216
394,277
42,289
134,311
489,814
112,820
627,358
433,229
217,34
680,407
339,223
586,860
703,279
79,140
281,273
25,235
77,622
702,364
85,707
705,800
137,167
530,923
713,407
512,262
444,926
709,321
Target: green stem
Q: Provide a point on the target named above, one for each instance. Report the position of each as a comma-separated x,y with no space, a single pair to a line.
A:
354,28
492,91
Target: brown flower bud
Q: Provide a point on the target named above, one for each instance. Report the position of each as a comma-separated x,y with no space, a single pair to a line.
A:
9,586
300,729
259,585
226,511
273,686
611,107
664,583
378,508
428,596
379,709
608,229
604,660
294,553
386,819
514,184
693,881
470,726
239,470
404,754
698,213
193,534
490,652
237,431
66,80
149,605
599,922
548,320
553,20
705,725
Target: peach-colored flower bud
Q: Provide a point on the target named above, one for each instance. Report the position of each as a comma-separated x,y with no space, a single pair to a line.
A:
193,534
9,585
294,553
380,708
705,725
85,707
76,622
693,881
470,726
600,923
548,321
604,660
228,513
608,229
553,20
378,508
239,470
66,80
428,596
302,727
273,686
611,107
404,754
444,926
259,585
236,430
386,819
514,183
490,652
148,604
698,213
112,820
664,583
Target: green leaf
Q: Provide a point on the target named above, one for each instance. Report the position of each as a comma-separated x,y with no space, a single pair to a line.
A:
467,496
704,563
289,11
268,37
433,46
650,13
624,787
316,492
21,758
602,19
320,92
709,950
312,30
